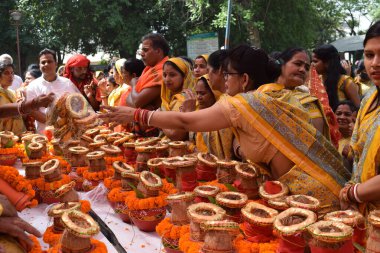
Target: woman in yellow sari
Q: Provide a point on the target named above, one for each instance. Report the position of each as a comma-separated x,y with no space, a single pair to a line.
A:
177,78
14,124
295,66
364,188
200,65
218,143
114,96
271,127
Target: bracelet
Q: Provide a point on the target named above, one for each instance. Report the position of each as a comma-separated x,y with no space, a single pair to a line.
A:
1,209
20,108
345,191
356,194
350,194
150,116
144,117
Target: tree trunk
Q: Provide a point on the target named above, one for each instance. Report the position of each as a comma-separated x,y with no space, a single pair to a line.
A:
254,36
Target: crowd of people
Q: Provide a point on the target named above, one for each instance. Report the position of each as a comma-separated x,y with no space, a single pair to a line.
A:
311,120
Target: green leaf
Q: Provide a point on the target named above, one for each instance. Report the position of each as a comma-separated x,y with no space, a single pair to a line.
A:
169,180
138,193
212,200
230,187
359,247
9,144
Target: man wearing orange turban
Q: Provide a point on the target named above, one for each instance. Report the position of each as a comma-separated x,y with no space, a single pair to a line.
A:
78,71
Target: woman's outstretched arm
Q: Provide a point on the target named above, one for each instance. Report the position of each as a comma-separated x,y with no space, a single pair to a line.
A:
26,107
205,120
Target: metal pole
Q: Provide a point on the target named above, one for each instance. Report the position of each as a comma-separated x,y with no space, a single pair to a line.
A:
228,24
18,49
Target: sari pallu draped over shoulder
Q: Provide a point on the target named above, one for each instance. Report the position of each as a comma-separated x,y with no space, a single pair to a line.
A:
365,140
365,145
288,128
170,101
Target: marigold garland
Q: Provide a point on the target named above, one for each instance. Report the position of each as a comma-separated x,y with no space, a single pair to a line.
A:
98,247
21,151
111,183
244,246
134,203
222,187
117,195
80,170
168,188
9,151
188,246
50,237
111,159
36,245
97,175
85,206
168,230
43,159
50,186
16,181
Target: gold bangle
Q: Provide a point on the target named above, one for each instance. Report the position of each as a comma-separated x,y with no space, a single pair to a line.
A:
1,209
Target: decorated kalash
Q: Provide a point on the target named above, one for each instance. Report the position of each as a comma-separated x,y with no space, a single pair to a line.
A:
194,201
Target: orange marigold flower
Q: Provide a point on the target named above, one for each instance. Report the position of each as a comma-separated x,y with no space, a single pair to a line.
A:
15,180
85,206
36,245
97,175
98,247
111,183
188,246
50,237
51,186
134,203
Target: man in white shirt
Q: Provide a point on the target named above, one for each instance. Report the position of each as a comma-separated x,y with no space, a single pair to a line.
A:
17,81
48,82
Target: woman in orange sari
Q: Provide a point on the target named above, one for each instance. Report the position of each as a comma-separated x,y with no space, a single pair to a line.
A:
271,127
364,188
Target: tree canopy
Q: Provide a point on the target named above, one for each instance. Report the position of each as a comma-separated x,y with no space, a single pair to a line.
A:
89,26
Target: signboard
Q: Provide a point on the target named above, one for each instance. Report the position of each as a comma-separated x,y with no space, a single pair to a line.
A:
204,43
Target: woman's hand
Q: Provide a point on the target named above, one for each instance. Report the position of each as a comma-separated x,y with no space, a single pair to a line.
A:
118,114
41,101
17,227
8,209
189,105
344,199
